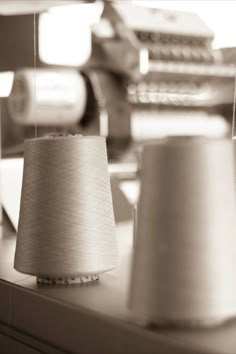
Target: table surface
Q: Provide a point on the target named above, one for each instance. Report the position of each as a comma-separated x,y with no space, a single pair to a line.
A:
94,318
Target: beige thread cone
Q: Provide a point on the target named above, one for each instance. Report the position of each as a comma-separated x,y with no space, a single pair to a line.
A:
184,266
66,226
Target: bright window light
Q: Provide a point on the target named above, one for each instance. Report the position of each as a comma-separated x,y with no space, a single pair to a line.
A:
6,81
65,34
219,16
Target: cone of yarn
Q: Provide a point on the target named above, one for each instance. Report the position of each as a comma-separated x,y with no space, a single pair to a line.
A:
184,264
66,229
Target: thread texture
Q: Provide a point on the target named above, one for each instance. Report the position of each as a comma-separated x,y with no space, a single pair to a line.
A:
66,225
184,266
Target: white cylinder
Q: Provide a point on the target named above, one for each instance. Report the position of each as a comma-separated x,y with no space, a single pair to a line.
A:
47,97
66,227
184,266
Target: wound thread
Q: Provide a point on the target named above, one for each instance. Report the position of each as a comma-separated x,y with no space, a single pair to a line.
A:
184,265
66,227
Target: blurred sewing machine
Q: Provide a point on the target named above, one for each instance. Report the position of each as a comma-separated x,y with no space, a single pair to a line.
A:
142,74
149,73
159,76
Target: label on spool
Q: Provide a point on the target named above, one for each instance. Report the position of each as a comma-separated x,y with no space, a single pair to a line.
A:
67,281
47,97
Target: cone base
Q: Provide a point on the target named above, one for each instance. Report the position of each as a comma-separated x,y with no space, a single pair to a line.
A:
186,323
67,280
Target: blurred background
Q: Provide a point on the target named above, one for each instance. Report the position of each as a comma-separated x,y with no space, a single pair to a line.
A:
132,71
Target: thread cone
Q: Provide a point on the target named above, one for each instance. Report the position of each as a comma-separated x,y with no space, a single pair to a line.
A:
184,267
66,225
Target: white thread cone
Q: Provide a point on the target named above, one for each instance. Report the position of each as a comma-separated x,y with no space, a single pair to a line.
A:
60,100
66,225
184,266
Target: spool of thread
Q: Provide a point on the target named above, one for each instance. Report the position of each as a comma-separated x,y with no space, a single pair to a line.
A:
58,97
66,230
184,265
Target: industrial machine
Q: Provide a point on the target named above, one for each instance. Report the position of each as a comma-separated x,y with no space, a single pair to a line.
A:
167,75
150,73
